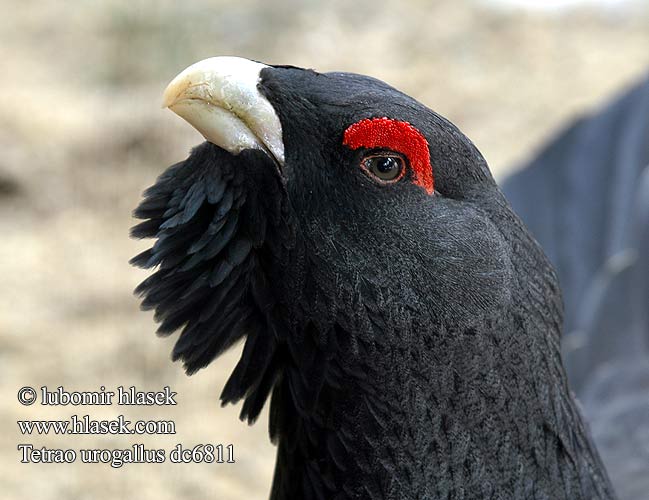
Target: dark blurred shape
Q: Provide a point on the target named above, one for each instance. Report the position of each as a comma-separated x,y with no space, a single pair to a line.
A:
586,199
9,187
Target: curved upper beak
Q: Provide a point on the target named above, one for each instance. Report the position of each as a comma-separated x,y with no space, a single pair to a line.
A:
220,98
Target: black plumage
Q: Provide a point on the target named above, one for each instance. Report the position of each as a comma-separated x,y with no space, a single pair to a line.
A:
411,342
586,198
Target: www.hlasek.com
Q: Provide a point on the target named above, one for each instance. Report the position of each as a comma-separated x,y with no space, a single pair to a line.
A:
86,425
76,425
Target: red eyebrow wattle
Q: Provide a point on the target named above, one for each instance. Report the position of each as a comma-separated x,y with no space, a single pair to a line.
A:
395,135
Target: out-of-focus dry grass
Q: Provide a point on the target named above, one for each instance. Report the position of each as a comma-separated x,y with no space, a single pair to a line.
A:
82,133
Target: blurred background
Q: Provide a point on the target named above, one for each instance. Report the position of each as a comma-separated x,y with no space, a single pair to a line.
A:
82,134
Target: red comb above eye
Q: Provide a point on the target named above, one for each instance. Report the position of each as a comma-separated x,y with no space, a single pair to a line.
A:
395,135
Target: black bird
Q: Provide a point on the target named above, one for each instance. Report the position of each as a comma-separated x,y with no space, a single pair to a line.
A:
585,197
403,321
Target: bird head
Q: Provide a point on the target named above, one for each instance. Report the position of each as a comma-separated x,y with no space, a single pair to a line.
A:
389,202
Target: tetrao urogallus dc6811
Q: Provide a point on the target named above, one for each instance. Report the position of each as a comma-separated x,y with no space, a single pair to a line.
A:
400,317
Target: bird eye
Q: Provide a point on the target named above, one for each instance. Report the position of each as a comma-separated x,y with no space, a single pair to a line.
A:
385,167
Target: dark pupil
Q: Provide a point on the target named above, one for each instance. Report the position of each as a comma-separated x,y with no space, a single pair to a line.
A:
385,165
